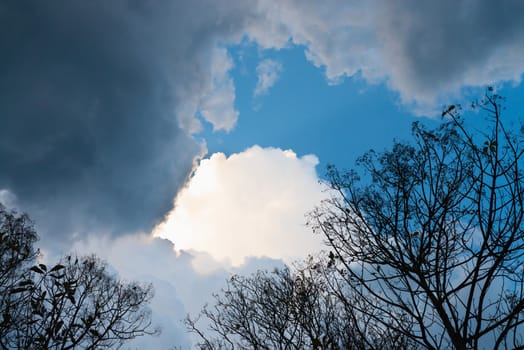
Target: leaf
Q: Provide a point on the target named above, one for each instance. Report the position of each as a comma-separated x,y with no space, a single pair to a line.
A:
59,325
71,297
43,267
26,283
57,267
493,146
94,332
36,269
450,108
40,339
6,319
38,312
17,290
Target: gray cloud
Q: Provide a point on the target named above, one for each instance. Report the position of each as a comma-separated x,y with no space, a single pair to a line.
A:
437,47
427,51
98,102
98,98
88,136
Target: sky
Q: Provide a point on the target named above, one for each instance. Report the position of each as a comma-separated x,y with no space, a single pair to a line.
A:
183,141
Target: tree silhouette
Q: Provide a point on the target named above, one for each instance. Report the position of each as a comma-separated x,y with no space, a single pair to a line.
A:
75,304
291,309
433,230
17,254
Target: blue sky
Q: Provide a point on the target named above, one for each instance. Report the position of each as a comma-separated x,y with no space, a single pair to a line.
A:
303,112
193,135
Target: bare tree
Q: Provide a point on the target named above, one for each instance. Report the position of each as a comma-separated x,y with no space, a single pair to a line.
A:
433,230
75,304
287,309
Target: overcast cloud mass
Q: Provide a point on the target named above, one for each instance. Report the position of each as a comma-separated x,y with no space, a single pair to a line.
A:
101,103
99,99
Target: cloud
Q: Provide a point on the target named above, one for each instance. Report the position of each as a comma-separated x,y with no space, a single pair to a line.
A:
99,99
426,51
335,34
8,199
217,105
248,204
88,138
179,288
268,73
430,49
153,260
210,93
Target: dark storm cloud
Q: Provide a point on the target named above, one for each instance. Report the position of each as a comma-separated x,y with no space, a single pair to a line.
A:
88,137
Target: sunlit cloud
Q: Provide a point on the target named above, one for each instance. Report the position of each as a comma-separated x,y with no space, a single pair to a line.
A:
248,204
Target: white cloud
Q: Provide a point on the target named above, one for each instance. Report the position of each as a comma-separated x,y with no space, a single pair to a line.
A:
214,98
268,73
179,288
335,34
428,52
249,204
8,199
217,106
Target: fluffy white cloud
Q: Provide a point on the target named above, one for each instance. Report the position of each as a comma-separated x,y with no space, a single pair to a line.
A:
216,98
268,73
336,34
179,288
252,203
217,105
426,51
